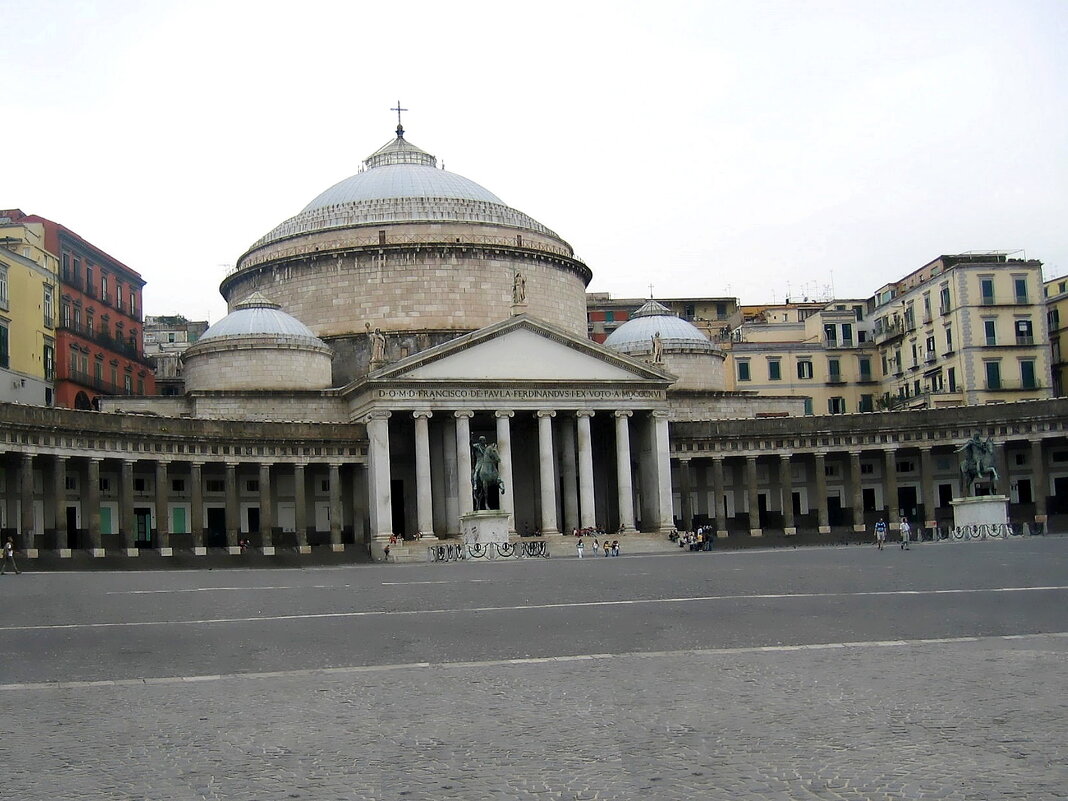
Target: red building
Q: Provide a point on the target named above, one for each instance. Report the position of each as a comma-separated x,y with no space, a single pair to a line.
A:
99,345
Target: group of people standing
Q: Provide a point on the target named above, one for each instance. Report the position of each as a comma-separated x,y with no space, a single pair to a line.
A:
700,540
610,548
881,531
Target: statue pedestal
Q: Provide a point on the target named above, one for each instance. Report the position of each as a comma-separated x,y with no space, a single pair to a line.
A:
484,527
984,510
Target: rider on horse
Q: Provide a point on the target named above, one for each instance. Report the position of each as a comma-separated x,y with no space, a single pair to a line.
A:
485,475
978,461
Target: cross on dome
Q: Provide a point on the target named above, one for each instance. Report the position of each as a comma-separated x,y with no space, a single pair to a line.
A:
398,109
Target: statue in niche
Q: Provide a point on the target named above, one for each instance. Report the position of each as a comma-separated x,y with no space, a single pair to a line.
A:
485,476
658,349
519,289
978,461
378,344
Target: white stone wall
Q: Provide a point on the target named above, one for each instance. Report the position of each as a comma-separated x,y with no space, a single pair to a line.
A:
252,364
729,406
696,370
270,407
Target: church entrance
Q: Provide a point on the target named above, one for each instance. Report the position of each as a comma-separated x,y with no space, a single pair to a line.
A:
397,507
216,533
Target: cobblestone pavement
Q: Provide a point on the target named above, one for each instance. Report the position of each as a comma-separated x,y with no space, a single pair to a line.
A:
978,719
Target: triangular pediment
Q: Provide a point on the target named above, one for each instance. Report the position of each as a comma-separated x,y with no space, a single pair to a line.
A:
520,349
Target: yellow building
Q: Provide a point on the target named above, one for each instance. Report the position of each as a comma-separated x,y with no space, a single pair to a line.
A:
1056,294
28,297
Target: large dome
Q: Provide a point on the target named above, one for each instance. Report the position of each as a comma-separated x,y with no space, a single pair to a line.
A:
402,180
255,315
653,318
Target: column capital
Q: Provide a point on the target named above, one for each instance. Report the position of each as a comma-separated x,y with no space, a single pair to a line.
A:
504,413
585,413
683,460
750,457
335,465
462,413
890,450
718,457
130,462
422,413
27,457
660,414
623,413
546,413
854,454
377,414
97,459
785,457
231,464
925,448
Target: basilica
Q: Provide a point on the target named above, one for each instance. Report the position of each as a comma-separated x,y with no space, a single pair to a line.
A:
407,311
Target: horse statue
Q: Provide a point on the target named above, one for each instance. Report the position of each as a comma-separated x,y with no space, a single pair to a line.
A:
485,477
978,462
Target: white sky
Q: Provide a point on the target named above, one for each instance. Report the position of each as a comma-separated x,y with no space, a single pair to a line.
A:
711,148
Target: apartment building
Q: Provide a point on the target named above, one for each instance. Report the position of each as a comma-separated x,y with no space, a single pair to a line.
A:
1056,295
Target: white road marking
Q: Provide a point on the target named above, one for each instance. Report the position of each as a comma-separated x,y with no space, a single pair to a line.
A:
453,581
229,589
527,607
537,660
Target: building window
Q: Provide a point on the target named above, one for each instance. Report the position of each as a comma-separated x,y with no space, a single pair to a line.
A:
986,290
5,361
991,332
804,368
836,405
943,300
49,362
90,287
867,403
951,376
252,485
89,323
993,375
1027,374
139,485
847,334
808,406
774,370
743,371
118,295
1024,333
1020,284
949,339
830,334
3,287
104,288
127,384
865,369
177,485
214,485
105,485
834,369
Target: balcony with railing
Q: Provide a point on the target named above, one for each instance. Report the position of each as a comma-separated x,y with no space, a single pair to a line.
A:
884,332
94,382
128,349
1013,385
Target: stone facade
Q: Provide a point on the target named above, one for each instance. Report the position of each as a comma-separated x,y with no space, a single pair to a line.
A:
254,363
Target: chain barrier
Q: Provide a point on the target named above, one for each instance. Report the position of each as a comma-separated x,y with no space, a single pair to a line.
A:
457,552
986,531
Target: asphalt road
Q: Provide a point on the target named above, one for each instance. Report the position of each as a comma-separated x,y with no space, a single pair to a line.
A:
810,673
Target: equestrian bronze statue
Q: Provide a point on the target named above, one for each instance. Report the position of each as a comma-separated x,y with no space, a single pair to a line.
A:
978,462
485,477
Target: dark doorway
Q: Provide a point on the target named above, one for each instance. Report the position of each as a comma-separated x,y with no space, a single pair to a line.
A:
869,499
72,528
254,520
216,533
1059,502
1023,490
797,503
835,516
945,495
762,507
907,502
397,493
81,401
142,527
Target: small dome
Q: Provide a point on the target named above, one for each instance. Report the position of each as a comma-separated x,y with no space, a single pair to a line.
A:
637,333
257,315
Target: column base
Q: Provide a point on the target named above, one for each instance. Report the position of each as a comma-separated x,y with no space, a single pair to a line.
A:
857,527
756,532
337,547
96,553
200,550
31,553
824,529
166,551
722,534
268,550
930,523
65,553
132,551
233,550
304,549
1041,519
790,531
551,532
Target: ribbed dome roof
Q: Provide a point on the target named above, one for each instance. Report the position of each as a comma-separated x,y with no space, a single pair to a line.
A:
256,315
653,318
402,180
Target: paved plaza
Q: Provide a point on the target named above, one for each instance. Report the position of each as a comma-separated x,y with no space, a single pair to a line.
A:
819,673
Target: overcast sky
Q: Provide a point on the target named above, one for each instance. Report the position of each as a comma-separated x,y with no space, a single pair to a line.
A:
751,149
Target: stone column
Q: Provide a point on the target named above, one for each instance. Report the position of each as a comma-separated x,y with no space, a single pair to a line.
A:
821,493
663,470
59,479
547,472
92,514
685,502
1038,481
754,496
464,487
196,507
856,491
337,512
163,522
569,474
452,481
717,496
1001,456
26,522
379,490
928,497
266,510
300,507
504,447
893,513
587,508
359,506
127,526
233,509
624,477
786,490
424,494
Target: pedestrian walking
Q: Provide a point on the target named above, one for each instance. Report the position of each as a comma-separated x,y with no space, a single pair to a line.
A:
880,533
580,547
615,547
9,557
607,547
906,531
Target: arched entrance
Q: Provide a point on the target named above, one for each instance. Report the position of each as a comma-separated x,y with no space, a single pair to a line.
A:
81,401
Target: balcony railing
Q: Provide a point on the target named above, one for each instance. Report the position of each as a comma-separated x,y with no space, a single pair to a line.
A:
126,348
99,384
1021,340
1013,385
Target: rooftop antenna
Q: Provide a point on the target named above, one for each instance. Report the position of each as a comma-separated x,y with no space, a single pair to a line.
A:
400,128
